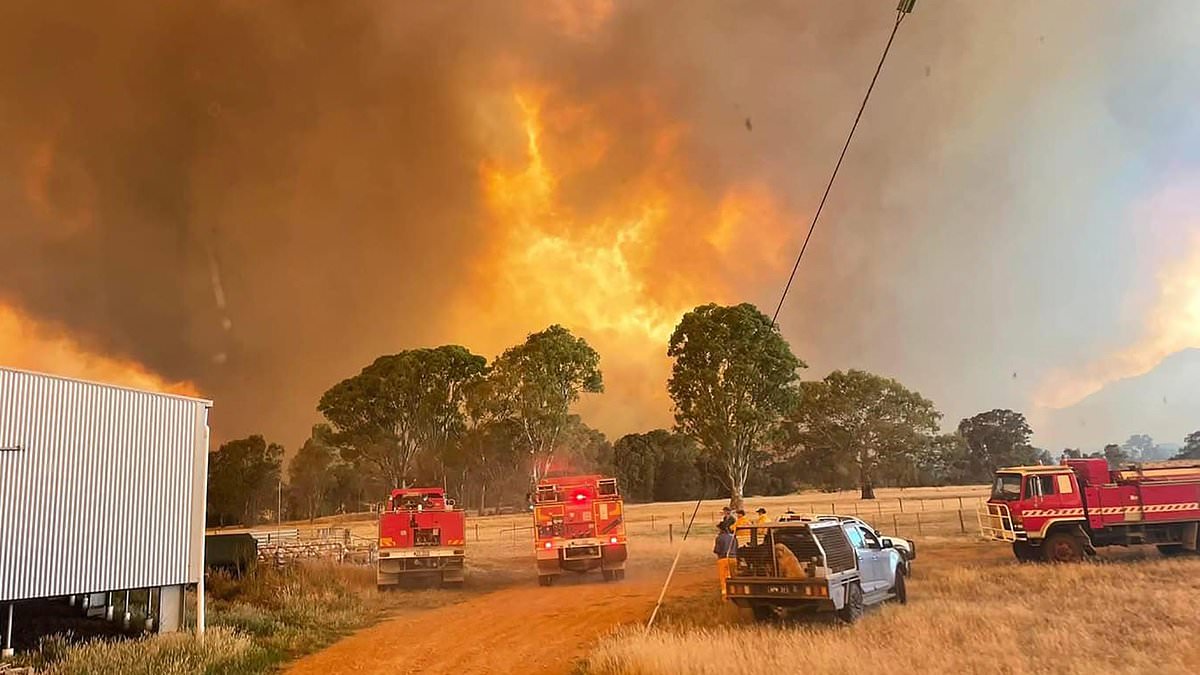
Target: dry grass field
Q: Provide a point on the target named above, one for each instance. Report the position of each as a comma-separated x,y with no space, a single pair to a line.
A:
972,609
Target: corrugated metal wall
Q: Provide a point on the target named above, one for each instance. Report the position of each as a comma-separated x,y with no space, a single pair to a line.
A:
101,488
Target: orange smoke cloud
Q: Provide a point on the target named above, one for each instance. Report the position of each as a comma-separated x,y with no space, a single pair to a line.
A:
616,255
1172,324
29,345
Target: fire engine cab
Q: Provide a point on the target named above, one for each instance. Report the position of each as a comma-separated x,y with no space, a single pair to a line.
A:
1061,513
579,526
421,535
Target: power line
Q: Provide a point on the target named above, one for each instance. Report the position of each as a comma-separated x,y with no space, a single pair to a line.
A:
906,7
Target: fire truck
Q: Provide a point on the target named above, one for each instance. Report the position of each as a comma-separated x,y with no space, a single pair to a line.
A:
579,526
421,535
1062,513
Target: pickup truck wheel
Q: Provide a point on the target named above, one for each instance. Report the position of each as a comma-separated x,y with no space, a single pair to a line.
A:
900,590
853,609
763,612
1062,547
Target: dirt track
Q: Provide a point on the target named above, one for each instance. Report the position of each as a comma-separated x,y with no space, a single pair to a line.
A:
522,629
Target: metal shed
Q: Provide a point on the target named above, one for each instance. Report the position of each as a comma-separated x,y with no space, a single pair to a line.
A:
102,490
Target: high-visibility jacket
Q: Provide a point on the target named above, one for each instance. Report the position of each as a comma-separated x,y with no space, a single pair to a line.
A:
743,536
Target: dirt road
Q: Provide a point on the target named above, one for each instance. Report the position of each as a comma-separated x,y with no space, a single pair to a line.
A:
522,629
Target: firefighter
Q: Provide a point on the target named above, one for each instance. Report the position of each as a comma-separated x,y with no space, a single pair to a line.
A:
762,517
725,549
743,535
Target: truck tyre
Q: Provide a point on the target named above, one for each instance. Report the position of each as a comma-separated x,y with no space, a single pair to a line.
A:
852,610
900,590
1023,551
608,575
1062,547
545,579
619,575
762,612
1171,549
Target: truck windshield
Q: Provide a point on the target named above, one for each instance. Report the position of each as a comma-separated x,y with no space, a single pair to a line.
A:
1007,487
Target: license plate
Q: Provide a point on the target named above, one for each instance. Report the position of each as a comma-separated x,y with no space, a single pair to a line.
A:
421,554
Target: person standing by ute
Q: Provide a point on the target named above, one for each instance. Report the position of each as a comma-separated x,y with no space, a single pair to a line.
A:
727,518
739,525
726,550
760,521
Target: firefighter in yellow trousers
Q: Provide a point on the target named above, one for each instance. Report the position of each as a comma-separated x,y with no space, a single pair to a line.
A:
726,550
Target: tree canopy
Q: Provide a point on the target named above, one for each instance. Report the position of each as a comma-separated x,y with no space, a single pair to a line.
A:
863,422
401,405
733,380
242,476
536,382
995,439
1191,447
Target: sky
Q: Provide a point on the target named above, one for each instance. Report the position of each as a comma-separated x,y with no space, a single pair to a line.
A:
252,200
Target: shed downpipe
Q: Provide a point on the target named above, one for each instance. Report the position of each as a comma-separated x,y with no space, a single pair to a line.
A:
7,651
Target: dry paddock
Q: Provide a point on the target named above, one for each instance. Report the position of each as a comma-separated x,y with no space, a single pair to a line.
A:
972,610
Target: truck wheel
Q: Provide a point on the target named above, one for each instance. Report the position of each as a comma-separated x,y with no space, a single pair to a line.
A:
1062,547
619,575
1171,549
853,609
608,575
1023,551
545,579
762,612
900,590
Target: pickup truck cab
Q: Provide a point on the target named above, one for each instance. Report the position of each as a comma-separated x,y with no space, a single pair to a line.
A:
814,567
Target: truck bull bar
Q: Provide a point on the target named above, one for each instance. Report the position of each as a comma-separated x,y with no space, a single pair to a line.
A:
996,522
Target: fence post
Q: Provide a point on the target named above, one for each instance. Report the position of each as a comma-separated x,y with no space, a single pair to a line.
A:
514,535
923,504
856,508
651,522
477,532
960,506
879,507
918,523
671,532
962,526
832,507
901,504
895,524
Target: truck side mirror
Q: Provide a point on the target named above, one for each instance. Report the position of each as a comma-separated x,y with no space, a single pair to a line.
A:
886,543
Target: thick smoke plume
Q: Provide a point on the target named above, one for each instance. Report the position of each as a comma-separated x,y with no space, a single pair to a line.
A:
261,197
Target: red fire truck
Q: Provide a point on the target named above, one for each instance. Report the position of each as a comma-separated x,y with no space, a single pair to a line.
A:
579,526
421,534
1061,513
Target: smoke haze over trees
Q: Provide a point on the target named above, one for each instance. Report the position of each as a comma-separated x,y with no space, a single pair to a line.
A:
260,198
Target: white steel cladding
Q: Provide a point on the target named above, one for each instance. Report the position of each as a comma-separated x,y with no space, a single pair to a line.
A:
101,488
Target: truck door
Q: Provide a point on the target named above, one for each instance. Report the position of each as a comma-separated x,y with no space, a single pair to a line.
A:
868,558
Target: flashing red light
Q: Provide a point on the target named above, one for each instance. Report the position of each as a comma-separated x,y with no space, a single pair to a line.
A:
612,540
579,496
549,544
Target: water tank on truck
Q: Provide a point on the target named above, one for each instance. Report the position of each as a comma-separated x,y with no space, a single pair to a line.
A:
421,537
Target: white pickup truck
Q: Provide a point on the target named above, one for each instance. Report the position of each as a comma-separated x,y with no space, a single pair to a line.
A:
811,567
906,547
